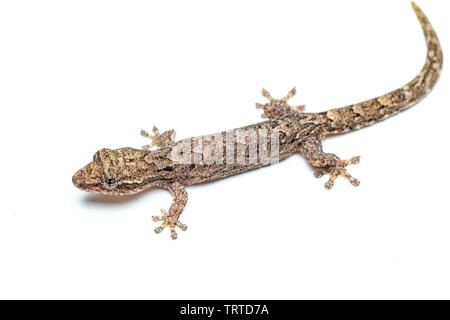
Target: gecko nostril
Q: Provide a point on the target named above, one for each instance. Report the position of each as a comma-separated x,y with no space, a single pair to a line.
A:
77,180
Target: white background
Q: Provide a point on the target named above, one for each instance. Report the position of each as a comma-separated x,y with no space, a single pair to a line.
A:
77,76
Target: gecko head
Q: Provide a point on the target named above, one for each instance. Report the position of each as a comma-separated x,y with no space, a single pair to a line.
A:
116,172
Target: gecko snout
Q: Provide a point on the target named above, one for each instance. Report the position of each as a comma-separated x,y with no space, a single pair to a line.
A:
77,180
88,178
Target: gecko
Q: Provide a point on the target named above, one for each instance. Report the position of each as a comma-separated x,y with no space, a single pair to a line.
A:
128,170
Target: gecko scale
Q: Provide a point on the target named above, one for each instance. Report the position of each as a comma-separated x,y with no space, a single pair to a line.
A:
128,171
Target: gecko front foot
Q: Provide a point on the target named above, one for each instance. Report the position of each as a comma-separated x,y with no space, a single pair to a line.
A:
170,221
277,108
159,139
338,170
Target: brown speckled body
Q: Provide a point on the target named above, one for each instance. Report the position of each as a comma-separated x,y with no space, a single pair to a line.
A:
127,170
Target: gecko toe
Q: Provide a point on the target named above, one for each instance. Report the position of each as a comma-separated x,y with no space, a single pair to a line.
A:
319,174
338,170
173,234
328,185
159,229
354,181
181,226
277,108
354,160
169,221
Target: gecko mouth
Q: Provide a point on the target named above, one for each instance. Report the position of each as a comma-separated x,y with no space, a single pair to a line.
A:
103,188
83,180
89,179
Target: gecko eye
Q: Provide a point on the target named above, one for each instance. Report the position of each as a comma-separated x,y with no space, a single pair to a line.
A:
110,183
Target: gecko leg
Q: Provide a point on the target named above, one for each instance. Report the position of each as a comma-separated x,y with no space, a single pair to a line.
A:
170,219
159,139
327,163
276,108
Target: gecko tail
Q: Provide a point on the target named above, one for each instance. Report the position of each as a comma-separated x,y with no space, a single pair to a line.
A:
418,11
360,115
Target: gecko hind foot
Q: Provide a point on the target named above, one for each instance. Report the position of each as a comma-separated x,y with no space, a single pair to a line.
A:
169,221
277,108
159,140
339,170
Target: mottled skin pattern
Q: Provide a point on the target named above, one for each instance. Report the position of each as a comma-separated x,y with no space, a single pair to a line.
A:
128,171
